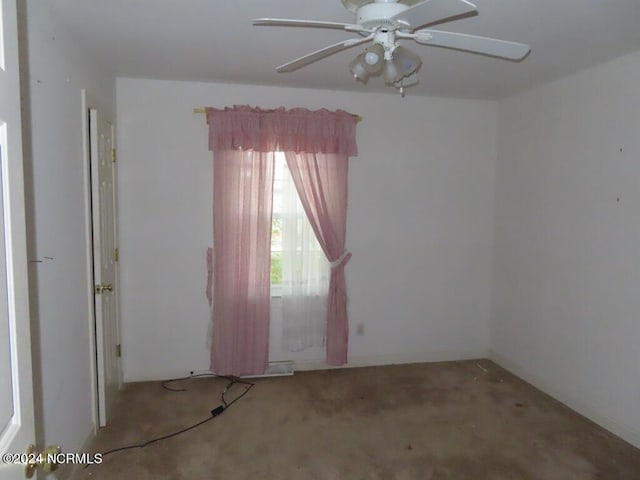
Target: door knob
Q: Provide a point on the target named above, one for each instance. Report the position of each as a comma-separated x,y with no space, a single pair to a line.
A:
47,460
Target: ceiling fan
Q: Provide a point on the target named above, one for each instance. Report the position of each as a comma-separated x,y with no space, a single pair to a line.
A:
383,23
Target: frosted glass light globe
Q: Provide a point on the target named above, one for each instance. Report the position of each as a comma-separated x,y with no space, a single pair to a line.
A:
371,58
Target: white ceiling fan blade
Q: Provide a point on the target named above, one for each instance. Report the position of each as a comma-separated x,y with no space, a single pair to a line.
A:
285,22
472,43
431,11
322,53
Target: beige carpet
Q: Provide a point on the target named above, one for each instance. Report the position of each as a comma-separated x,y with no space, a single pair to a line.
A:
454,420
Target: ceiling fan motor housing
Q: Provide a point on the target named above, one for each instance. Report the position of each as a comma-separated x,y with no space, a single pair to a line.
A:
373,15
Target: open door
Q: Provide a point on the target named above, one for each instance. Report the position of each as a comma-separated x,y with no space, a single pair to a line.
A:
17,431
105,257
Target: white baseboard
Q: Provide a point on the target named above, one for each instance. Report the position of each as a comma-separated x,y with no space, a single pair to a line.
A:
394,359
354,362
576,404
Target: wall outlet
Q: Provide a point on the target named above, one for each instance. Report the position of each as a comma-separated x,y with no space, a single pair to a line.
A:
360,329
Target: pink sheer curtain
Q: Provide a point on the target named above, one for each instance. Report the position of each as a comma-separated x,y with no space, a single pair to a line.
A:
321,182
242,203
317,145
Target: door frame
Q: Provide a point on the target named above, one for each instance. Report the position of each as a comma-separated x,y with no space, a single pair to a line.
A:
19,434
87,103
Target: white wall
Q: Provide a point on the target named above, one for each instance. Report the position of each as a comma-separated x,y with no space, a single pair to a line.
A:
567,247
420,223
57,71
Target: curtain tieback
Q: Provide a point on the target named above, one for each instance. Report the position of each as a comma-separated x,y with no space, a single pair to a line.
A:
341,261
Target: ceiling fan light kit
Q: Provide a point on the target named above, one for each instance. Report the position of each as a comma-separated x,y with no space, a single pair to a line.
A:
384,23
406,61
358,69
374,58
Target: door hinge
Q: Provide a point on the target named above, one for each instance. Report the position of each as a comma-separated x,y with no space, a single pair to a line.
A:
103,287
119,350
116,255
113,155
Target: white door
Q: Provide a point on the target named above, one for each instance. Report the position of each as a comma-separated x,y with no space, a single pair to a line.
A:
105,256
16,390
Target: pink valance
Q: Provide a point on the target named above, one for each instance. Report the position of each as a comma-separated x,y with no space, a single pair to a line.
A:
296,130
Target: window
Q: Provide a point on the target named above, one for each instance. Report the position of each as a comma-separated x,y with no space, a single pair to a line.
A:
296,256
280,177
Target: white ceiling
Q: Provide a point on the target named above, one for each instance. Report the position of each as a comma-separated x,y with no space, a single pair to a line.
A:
213,40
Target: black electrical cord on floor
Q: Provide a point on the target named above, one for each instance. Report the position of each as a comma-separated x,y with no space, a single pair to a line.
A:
142,445
231,381
165,383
